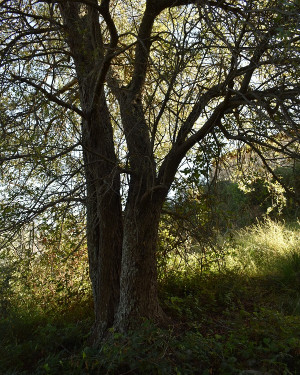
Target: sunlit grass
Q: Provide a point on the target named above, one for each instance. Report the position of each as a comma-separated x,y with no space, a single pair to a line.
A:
265,248
260,263
269,247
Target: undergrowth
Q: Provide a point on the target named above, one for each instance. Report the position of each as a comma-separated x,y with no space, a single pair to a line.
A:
237,318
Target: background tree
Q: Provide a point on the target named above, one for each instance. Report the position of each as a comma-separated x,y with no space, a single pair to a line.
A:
102,101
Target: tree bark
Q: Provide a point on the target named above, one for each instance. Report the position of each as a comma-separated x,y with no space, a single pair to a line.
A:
104,218
104,211
124,290
138,287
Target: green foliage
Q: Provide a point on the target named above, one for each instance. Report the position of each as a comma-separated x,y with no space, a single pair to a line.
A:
231,206
242,315
33,343
289,269
290,176
195,218
47,270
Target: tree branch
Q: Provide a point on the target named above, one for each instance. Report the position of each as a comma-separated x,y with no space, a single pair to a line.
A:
48,95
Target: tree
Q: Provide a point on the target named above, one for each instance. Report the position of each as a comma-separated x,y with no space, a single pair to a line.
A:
102,101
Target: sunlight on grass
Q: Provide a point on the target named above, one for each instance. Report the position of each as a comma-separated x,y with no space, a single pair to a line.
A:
269,247
265,248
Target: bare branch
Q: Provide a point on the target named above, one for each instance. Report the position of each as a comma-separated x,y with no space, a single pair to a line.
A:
48,95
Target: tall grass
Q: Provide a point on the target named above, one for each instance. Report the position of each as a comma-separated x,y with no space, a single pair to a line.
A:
266,248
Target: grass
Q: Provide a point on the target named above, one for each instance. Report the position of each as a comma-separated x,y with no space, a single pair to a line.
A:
242,316
261,248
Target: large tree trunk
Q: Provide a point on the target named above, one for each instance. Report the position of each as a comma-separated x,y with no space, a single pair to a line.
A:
138,292
106,242
104,218
104,212
138,284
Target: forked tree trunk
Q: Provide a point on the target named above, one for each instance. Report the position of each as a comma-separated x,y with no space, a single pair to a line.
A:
108,238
